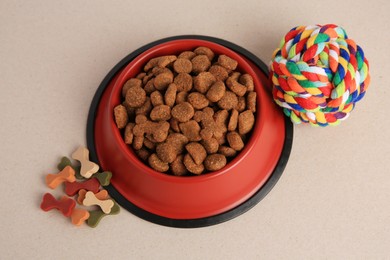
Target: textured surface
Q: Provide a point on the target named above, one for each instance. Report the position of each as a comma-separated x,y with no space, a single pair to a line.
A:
331,203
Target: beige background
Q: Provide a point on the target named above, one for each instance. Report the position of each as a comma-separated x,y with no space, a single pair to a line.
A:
332,202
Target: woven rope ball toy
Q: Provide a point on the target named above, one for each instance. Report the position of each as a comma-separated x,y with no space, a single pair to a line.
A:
318,74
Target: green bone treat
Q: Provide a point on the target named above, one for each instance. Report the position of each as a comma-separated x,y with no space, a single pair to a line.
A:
65,161
103,177
96,215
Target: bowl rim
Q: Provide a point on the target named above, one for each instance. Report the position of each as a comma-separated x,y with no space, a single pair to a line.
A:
201,222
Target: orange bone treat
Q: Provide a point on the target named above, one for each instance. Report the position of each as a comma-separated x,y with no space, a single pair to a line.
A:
101,195
79,216
67,174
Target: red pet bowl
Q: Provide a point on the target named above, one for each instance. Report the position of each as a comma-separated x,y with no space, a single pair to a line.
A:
192,201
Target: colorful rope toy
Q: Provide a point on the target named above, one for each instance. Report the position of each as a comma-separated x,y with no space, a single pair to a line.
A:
318,74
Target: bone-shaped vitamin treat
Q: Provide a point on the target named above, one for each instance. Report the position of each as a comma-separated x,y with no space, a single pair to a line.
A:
101,195
65,161
71,188
67,174
79,216
87,167
90,200
65,205
96,215
103,177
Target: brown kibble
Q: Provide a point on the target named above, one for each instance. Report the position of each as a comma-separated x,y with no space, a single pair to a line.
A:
157,164
166,152
187,55
251,101
198,100
247,81
211,145
183,82
145,108
235,87
174,124
141,75
120,115
147,78
182,66
128,134
227,62
227,151
197,152
241,105
181,97
246,120
191,130
203,81
235,141
149,144
216,91
192,166
138,142
156,98
170,95
161,81
200,63
133,82
222,139
160,113
161,62
204,51
143,154
158,130
135,96
228,101
183,112
177,166
157,70
149,86
178,141
215,162
130,111
233,120
235,75
219,72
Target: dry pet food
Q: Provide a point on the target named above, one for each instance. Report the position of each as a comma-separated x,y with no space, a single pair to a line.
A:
187,114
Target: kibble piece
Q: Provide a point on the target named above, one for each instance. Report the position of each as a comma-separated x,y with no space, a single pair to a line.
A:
166,152
161,81
228,101
183,112
235,141
138,142
227,151
211,145
187,55
170,95
233,120
135,96
149,144
200,63
204,51
128,134
198,100
120,115
246,120
178,141
157,70
181,97
215,162
183,82
247,81
216,91
241,105
147,78
130,111
192,166
227,62
191,130
235,75
149,86
143,154
203,82
145,108
161,62
133,82
177,166
160,113
182,66
222,139
219,72
197,152
141,75
251,101
156,98
157,164
235,87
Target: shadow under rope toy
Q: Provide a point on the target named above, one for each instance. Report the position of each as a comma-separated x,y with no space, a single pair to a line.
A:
318,74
